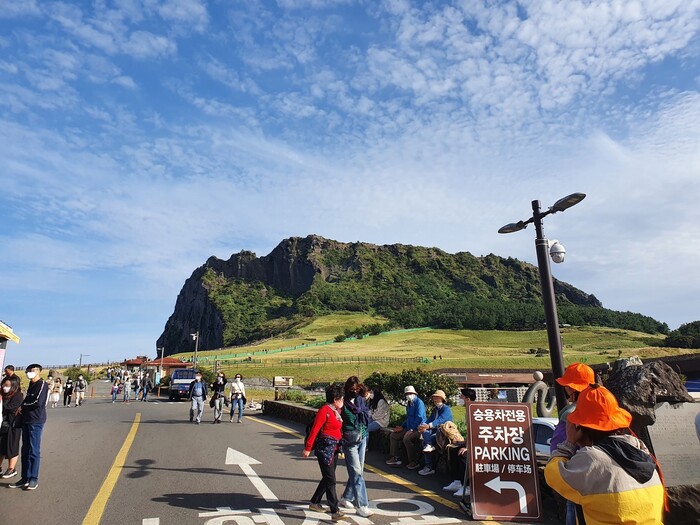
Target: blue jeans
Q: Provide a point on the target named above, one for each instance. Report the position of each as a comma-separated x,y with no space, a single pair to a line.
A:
31,444
355,490
373,426
428,439
115,391
145,393
237,403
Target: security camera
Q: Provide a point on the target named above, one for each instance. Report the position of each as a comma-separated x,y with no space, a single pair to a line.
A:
557,251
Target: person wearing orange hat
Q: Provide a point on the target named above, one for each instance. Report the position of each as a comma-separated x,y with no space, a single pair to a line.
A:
612,476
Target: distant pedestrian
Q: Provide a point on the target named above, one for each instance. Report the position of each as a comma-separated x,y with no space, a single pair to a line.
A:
80,389
324,440
115,390
9,372
126,388
146,386
237,393
33,413
218,396
68,392
135,387
9,439
197,396
56,390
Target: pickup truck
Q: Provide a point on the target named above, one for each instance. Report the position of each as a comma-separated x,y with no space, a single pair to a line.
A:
180,383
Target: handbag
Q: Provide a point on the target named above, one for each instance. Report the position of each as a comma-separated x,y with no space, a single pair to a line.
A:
5,427
352,437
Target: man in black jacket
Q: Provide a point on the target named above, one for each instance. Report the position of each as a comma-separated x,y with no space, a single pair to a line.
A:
33,414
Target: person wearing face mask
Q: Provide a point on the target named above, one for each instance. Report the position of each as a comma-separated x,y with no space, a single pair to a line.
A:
197,396
56,390
324,440
407,432
237,393
67,392
441,414
217,389
9,440
33,413
80,388
378,410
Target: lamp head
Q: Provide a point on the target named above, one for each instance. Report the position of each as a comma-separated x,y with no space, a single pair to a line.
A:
513,227
567,202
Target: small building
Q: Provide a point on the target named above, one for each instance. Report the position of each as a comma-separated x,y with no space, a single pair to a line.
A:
169,364
6,334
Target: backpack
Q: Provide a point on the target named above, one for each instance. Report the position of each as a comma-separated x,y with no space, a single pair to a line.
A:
447,434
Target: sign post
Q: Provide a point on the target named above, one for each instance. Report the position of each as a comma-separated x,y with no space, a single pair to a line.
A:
502,462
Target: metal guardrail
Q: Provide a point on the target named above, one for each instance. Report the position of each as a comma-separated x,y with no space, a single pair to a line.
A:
312,360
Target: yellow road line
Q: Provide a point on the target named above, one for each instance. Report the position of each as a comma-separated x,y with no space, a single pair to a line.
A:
94,513
390,477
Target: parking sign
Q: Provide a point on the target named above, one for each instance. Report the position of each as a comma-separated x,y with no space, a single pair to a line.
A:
502,462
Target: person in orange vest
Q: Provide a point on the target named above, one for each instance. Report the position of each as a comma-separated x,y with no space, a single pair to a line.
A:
611,476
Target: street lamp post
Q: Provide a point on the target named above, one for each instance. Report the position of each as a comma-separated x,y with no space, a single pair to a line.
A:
542,247
195,336
80,363
160,368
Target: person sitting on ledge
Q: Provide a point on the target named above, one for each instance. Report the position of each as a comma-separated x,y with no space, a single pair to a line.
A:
407,432
441,413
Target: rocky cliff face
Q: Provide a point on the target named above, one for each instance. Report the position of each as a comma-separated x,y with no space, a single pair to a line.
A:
294,264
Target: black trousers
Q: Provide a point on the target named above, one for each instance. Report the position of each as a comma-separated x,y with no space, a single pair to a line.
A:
456,463
327,484
66,397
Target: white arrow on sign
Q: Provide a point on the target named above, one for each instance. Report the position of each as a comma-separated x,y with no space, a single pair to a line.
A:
233,457
497,485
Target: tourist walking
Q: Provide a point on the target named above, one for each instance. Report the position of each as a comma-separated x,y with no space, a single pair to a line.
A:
68,392
324,438
126,388
237,392
197,396
11,430
80,389
218,396
355,415
33,414
56,390
146,386
611,476
115,389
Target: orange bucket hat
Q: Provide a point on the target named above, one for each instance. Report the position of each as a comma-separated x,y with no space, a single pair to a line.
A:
577,376
597,408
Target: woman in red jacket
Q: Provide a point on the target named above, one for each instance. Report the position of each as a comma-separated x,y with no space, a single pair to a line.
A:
324,438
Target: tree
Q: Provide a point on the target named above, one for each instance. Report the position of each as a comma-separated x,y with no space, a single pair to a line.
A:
686,336
425,382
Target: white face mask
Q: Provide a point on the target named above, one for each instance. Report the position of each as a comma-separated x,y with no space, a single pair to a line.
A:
81,378
411,397
371,395
6,389
439,404
31,375
198,378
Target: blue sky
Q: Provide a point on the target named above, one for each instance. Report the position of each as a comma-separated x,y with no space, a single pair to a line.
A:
140,137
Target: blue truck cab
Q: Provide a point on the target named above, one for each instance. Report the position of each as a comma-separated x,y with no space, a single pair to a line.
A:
180,383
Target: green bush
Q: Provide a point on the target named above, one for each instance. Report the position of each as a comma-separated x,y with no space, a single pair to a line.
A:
397,413
165,381
74,372
297,396
425,382
316,401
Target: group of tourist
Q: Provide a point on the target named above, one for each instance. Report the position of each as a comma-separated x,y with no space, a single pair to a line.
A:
23,418
223,392
604,471
139,383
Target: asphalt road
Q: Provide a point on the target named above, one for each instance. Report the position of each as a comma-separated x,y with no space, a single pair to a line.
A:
176,472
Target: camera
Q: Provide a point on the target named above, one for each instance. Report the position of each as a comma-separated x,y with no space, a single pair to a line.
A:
557,251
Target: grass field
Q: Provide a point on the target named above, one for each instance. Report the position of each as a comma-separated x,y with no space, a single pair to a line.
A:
458,348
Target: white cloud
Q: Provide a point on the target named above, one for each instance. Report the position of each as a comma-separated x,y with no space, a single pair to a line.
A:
193,13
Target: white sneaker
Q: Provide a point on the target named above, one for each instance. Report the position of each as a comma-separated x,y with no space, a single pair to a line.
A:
364,511
467,492
426,471
456,484
428,448
345,504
